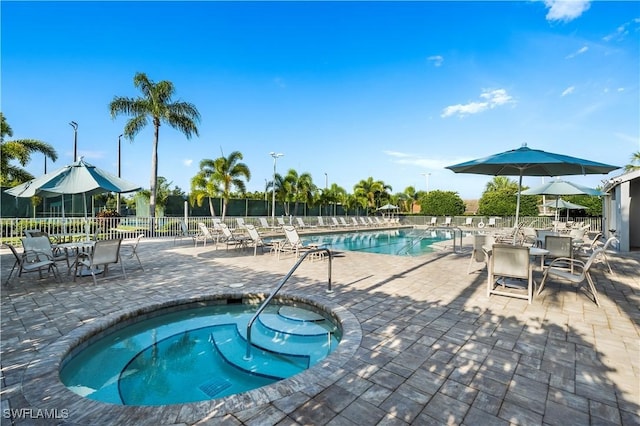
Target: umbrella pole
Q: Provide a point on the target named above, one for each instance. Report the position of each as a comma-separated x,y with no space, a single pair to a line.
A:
515,226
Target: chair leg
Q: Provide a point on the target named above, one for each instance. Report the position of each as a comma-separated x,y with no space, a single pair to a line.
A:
592,287
544,278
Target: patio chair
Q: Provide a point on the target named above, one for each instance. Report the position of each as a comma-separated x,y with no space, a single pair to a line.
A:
43,245
447,221
343,222
602,257
577,274
205,235
240,222
324,225
256,240
130,250
558,246
31,262
280,221
510,272
185,233
355,222
528,236
434,221
479,255
103,254
492,222
468,222
336,223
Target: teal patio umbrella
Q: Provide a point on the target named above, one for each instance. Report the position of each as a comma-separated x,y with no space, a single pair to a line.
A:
525,161
560,204
77,178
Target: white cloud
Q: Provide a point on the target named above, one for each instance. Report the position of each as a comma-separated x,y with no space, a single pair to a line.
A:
437,60
569,90
491,99
622,30
416,160
565,10
580,51
187,162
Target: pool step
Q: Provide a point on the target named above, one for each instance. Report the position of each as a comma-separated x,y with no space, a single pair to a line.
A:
232,347
295,321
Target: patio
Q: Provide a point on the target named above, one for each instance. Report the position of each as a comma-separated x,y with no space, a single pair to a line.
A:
434,348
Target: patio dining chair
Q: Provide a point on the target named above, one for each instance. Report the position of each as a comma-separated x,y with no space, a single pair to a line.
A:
31,262
510,272
478,254
43,245
130,251
577,274
103,254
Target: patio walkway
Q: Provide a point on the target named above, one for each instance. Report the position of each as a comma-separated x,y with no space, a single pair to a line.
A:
433,349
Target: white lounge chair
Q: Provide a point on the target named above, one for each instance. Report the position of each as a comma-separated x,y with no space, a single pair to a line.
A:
293,243
185,233
231,239
303,225
468,222
205,235
447,221
323,225
240,222
434,221
265,225
256,239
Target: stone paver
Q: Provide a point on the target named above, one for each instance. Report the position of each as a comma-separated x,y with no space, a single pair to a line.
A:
430,347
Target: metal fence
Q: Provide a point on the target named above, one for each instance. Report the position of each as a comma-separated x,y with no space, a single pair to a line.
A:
12,229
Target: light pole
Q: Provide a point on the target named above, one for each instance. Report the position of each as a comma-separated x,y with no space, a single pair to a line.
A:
75,140
326,184
426,175
118,195
273,187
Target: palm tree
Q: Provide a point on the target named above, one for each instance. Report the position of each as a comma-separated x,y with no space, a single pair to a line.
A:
204,186
156,104
635,162
501,182
163,192
301,188
228,173
372,191
19,150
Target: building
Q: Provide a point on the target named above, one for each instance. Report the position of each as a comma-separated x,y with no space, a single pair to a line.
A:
621,210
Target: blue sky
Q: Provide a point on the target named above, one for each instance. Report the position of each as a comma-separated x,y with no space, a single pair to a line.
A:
391,90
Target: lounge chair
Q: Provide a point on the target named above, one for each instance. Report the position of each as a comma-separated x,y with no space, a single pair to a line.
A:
130,251
468,222
510,272
256,239
293,243
355,222
31,262
323,225
303,225
364,221
492,222
343,222
576,274
205,235
231,239
336,223
265,225
280,221
185,233
240,222
103,253
447,221
434,221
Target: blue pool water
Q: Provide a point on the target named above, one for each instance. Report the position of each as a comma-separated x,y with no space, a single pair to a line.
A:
410,242
198,354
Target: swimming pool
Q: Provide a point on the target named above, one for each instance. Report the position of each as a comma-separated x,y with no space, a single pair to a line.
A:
197,354
411,242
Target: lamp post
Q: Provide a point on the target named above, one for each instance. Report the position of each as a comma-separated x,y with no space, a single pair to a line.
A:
273,187
75,140
118,195
426,175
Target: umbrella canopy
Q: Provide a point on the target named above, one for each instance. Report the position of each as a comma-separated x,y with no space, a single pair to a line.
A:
559,203
77,178
561,187
388,207
525,161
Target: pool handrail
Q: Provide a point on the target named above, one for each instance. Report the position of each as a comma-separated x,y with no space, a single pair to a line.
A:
282,282
455,230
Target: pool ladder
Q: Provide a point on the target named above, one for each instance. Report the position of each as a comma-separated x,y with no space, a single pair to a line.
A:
282,282
423,235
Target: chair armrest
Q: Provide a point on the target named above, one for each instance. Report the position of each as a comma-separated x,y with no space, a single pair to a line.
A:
567,260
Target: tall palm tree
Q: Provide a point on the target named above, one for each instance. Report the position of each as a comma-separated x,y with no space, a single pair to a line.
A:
19,150
228,173
635,162
157,105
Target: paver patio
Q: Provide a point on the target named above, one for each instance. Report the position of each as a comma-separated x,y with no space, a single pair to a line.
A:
433,348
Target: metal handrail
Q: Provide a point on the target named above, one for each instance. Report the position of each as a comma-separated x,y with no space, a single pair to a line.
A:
455,230
284,280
